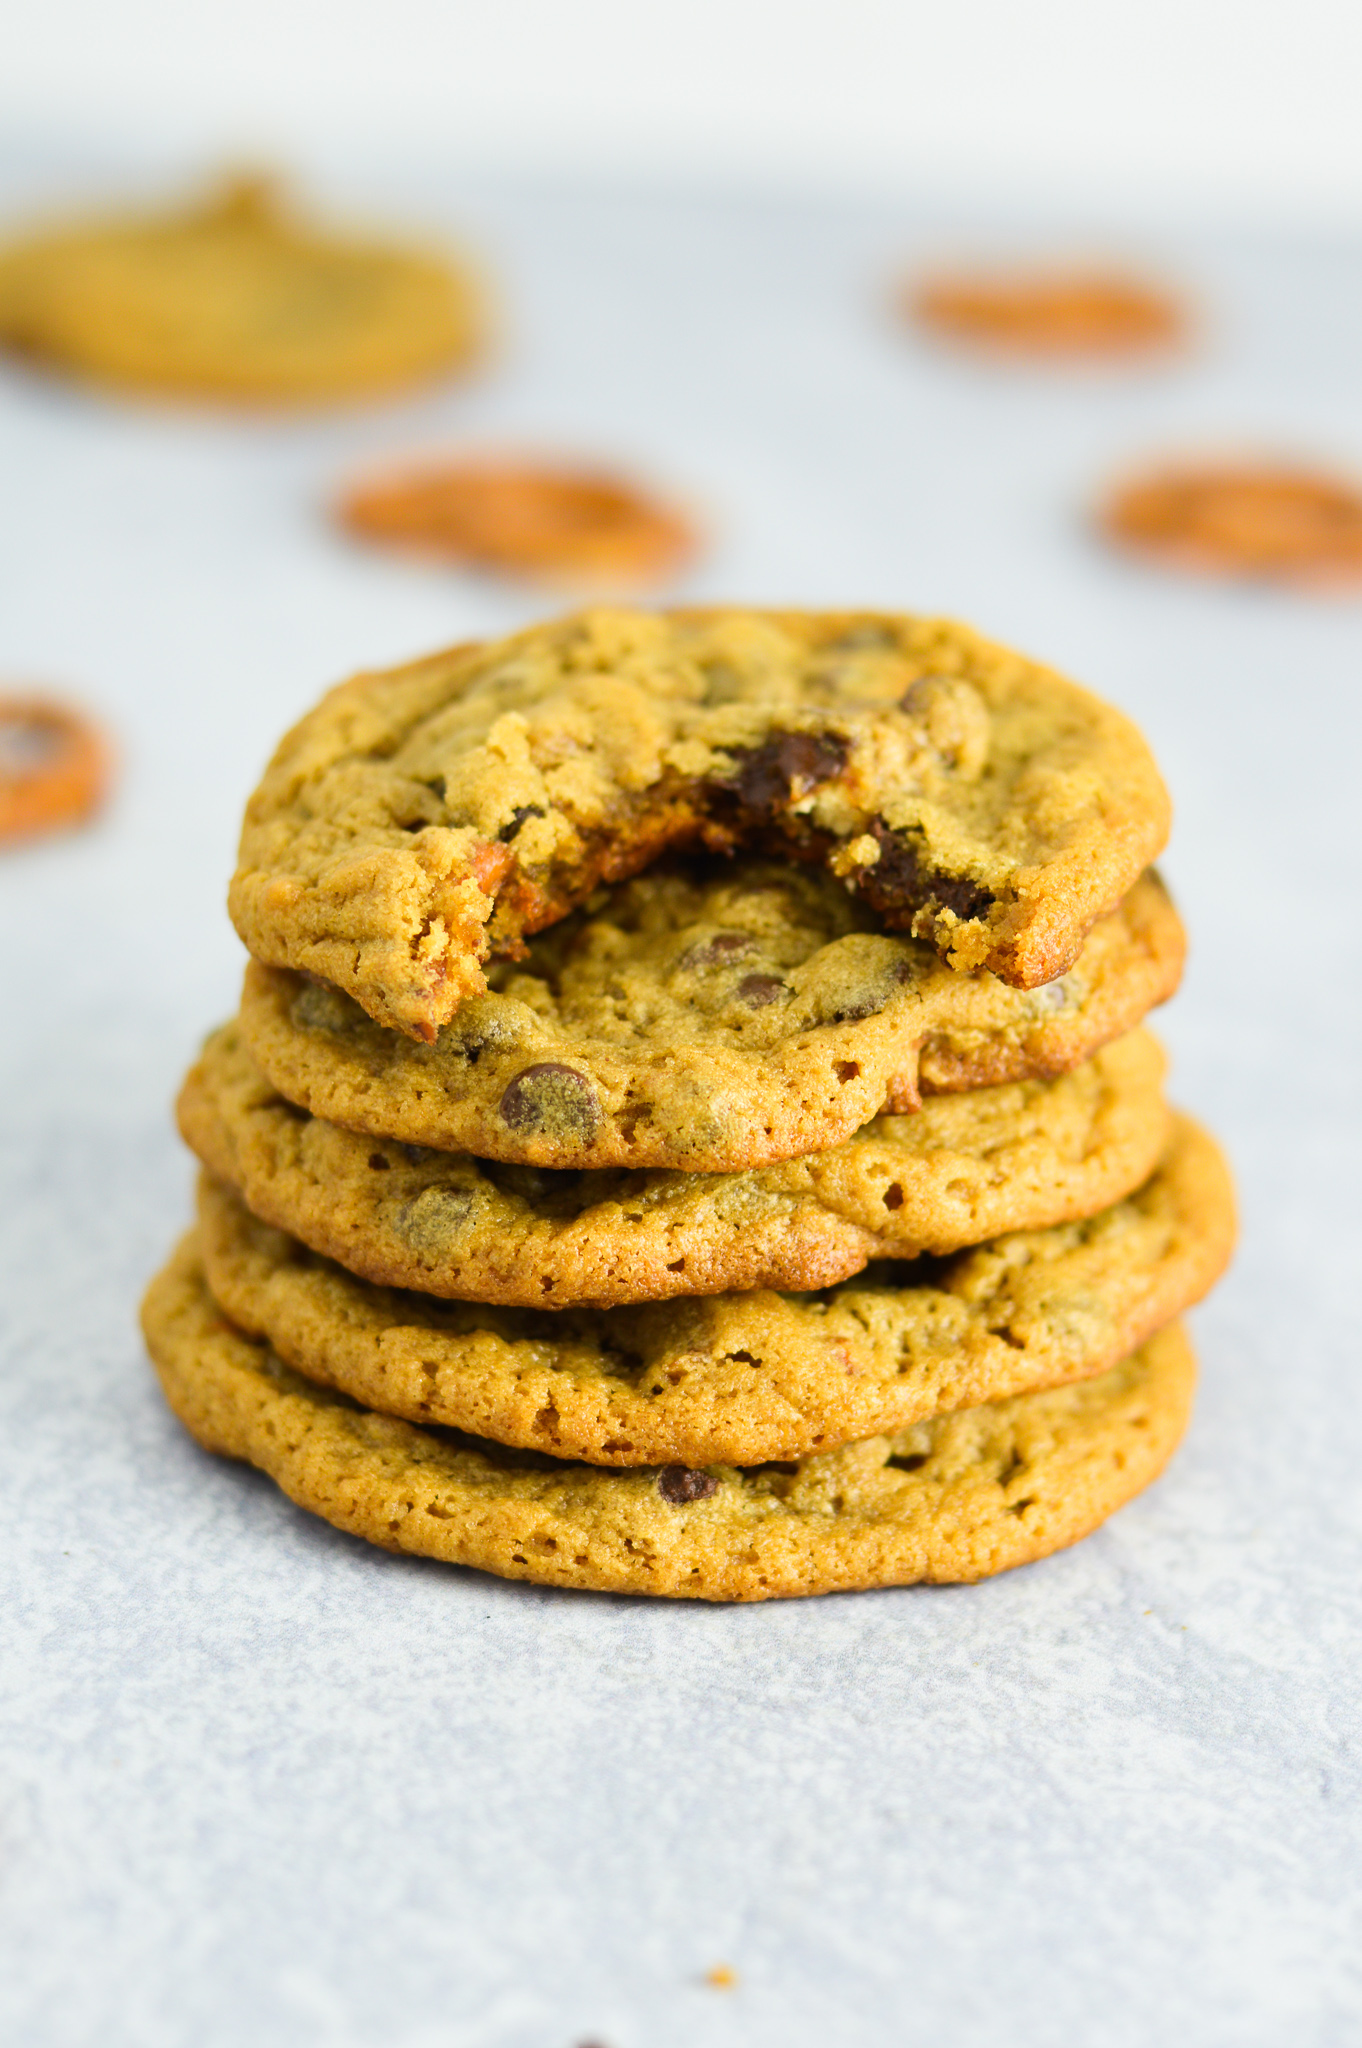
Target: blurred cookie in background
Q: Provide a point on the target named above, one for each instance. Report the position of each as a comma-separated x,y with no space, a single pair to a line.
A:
1047,314
240,298
542,519
1266,520
55,766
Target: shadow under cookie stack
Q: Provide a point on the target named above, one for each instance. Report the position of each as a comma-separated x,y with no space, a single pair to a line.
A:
689,1127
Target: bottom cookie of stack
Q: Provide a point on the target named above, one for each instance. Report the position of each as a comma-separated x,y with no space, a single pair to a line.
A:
956,1497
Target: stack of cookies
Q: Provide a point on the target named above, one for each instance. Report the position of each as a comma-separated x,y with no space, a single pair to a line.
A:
689,1128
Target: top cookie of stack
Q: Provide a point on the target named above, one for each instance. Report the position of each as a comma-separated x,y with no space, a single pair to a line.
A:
422,819
700,954
935,788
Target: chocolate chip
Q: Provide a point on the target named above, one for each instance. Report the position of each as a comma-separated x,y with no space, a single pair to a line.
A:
680,1483
954,721
787,765
911,1461
517,819
901,881
554,1099
713,952
320,1007
917,698
959,894
434,1216
756,990
379,1163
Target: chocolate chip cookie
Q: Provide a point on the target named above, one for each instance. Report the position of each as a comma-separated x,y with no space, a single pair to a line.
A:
746,1377
236,299
707,1019
426,819
955,1498
963,1168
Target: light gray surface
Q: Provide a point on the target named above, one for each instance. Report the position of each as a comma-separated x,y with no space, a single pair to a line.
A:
260,1784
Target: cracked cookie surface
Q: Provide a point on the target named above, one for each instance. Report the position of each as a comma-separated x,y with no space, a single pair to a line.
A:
425,819
960,1169
745,1377
955,1498
704,1018
235,299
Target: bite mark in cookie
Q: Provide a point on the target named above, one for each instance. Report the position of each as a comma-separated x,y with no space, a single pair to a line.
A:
900,884
424,821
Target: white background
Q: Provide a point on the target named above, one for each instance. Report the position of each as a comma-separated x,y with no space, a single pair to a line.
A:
1247,104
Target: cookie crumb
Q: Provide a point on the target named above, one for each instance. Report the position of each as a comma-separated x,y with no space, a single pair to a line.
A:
681,1483
861,852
